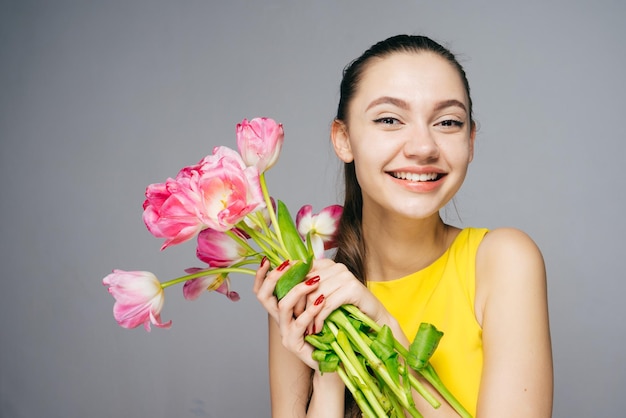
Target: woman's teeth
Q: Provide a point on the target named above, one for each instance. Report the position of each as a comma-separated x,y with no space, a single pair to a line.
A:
415,176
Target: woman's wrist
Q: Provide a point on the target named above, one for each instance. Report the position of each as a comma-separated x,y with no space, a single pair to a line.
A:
327,399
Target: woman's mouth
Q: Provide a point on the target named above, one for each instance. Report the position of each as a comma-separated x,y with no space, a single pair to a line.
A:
416,177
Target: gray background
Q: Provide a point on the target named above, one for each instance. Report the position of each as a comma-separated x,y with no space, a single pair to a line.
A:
99,99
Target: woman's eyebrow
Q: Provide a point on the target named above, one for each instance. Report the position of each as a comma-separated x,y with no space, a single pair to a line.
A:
402,104
450,103
389,100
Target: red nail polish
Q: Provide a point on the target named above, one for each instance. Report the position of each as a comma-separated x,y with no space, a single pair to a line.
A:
283,266
319,300
312,281
263,260
314,330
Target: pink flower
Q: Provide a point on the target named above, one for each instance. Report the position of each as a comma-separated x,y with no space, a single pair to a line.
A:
322,227
218,249
221,284
260,141
228,189
216,193
138,298
168,213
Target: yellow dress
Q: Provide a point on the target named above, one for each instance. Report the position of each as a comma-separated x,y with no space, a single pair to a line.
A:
443,294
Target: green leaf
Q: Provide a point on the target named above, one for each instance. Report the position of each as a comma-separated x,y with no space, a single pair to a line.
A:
289,233
294,275
423,346
317,341
327,361
319,355
393,365
329,364
382,345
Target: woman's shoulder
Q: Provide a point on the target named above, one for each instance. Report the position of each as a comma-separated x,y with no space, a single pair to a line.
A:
507,242
508,263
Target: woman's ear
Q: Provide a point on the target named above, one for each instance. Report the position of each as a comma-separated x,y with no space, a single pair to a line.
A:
341,141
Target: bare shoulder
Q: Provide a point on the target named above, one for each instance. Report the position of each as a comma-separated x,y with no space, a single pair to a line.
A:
508,242
508,262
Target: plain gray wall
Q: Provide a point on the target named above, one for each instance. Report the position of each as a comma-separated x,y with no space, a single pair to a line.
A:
100,98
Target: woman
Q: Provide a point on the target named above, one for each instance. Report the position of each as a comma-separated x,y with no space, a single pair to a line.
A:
405,132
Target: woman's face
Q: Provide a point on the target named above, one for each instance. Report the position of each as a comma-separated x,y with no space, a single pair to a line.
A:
409,134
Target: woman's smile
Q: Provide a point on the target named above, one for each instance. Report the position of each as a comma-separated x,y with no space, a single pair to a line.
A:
417,182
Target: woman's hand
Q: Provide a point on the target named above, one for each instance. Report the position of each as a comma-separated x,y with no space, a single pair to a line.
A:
290,360
291,315
303,310
339,286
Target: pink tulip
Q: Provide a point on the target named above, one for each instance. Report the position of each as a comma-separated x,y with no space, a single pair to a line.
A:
260,141
218,249
322,227
169,213
216,193
220,284
229,190
138,298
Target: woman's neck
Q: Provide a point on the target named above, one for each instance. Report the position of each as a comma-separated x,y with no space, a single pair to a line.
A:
398,247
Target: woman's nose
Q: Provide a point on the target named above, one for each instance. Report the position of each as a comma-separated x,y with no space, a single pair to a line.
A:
420,143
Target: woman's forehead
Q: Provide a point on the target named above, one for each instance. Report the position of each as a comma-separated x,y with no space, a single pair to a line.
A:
410,76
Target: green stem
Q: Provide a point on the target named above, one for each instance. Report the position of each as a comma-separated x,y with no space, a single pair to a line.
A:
354,368
268,246
429,373
260,220
415,384
421,389
208,272
340,318
270,210
241,241
360,400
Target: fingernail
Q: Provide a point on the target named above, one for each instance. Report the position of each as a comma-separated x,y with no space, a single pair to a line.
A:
283,266
312,281
314,330
319,300
263,260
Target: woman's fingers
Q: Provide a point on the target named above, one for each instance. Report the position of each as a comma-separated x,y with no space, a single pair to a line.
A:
263,287
293,328
259,278
339,287
265,283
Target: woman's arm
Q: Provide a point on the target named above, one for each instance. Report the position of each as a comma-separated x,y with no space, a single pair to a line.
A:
511,305
290,378
290,382
291,368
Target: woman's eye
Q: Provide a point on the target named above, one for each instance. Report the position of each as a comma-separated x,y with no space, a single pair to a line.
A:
387,121
451,123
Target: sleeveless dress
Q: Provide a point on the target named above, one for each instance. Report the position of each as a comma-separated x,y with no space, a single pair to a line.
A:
443,294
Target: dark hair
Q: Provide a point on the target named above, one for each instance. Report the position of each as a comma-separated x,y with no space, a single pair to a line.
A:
351,243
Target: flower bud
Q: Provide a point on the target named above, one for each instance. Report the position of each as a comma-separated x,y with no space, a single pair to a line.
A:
260,141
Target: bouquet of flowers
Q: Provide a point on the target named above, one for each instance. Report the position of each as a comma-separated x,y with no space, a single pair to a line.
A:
224,203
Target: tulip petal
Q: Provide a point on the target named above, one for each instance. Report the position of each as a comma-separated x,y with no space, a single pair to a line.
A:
195,287
322,226
138,297
260,141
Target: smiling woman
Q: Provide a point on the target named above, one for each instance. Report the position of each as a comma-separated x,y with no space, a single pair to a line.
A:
405,133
